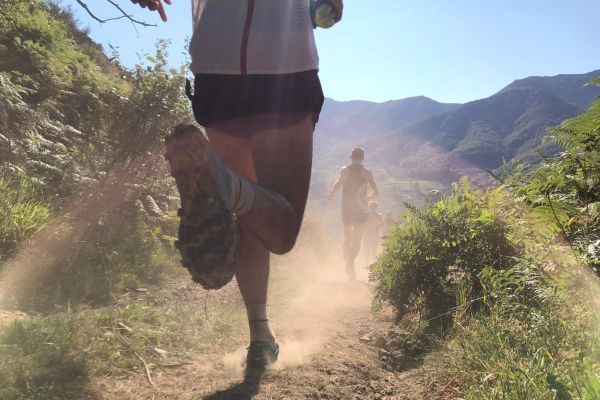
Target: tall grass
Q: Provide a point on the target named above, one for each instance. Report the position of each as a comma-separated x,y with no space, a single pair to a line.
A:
38,361
55,357
22,212
519,350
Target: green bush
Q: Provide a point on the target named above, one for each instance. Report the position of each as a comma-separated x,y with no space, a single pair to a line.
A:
565,189
477,262
432,263
72,123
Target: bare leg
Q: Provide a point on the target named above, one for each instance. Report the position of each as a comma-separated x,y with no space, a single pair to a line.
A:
280,162
356,240
354,247
283,163
369,246
252,270
348,232
353,234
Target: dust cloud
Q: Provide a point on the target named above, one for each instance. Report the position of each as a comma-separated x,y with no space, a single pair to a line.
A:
310,296
45,253
589,283
311,300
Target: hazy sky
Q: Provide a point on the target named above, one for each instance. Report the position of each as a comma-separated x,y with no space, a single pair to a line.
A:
449,50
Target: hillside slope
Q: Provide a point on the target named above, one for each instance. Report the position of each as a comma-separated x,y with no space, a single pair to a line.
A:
357,120
572,88
507,125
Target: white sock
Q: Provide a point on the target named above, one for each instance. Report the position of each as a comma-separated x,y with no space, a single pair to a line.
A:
241,193
259,323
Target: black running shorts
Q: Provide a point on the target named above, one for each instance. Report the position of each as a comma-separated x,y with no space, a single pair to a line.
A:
353,215
271,101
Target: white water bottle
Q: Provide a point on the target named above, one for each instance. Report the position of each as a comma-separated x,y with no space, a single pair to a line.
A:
323,13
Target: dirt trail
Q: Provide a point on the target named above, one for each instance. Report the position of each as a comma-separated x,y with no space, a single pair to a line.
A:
322,356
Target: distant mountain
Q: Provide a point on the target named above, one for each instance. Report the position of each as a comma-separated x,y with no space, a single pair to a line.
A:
359,120
419,139
347,124
485,132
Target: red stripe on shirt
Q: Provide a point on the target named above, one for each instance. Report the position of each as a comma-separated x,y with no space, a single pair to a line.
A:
245,38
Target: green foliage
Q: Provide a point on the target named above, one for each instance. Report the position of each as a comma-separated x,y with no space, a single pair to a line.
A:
536,339
433,262
72,123
38,361
44,44
49,83
516,351
54,357
22,213
125,249
478,261
565,189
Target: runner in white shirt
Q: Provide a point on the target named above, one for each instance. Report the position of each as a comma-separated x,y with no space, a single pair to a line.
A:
266,36
258,96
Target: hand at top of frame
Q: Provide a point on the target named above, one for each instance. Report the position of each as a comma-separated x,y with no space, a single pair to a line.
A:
155,5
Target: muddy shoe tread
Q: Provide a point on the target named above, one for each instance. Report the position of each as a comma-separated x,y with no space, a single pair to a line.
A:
208,237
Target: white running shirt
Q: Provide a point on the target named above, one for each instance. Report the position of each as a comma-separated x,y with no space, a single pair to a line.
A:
252,37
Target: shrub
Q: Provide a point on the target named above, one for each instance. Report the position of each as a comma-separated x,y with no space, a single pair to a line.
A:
565,189
72,122
478,260
122,249
434,261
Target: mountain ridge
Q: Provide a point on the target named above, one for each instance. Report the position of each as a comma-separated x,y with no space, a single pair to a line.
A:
573,88
440,142
487,131
351,118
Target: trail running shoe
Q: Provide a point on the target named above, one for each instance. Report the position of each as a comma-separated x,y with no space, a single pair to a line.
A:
208,237
261,354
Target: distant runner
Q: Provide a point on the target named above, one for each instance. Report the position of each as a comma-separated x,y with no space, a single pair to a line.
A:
354,180
243,191
373,233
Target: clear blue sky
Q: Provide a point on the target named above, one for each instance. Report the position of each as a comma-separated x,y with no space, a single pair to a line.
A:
449,50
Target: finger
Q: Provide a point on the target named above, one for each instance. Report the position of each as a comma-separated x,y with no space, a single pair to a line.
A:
338,5
168,2
162,12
